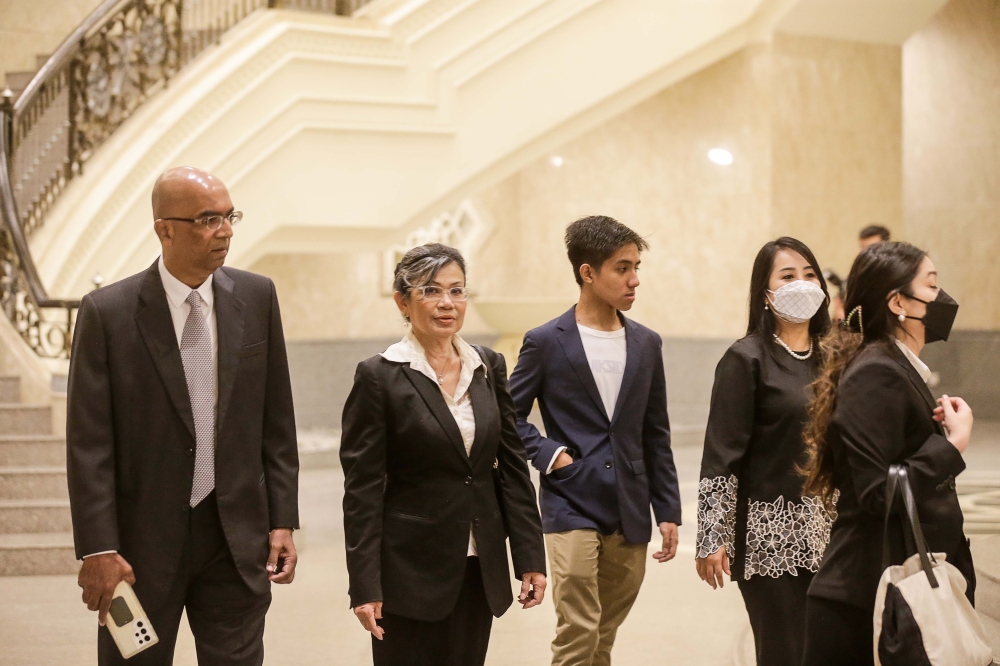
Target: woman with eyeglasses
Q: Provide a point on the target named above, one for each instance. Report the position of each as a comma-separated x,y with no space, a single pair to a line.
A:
436,479
753,522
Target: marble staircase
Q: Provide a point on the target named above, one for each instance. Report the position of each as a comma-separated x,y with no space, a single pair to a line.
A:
35,528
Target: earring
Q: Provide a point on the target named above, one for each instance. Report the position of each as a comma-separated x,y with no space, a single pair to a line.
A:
765,307
902,317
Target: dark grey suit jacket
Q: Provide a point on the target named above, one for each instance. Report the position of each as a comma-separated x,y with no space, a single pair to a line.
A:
130,430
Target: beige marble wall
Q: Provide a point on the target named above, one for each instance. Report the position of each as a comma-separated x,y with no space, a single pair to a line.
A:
36,27
648,168
815,130
951,154
836,148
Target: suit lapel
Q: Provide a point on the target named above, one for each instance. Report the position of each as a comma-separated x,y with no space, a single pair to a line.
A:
435,402
569,338
484,408
157,330
633,358
918,383
229,328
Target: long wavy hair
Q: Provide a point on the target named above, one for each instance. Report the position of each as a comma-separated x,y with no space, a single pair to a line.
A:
879,271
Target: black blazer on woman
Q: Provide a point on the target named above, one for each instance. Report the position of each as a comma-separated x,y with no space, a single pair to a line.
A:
884,417
411,493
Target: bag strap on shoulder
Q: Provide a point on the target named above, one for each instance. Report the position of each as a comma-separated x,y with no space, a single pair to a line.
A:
898,480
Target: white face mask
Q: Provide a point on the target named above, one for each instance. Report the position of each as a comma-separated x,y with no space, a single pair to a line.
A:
797,302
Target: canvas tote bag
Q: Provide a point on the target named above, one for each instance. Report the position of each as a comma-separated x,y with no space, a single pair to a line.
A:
922,616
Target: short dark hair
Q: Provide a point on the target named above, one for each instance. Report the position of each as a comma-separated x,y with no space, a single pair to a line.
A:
593,240
420,266
875,230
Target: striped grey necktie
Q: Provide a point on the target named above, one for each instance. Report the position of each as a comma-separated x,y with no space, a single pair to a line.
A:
196,355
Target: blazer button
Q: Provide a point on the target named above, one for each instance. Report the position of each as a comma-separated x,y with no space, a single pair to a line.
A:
475,523
608,464
468,480
190,452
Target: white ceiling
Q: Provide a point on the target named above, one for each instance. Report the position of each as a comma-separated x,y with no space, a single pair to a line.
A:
879,21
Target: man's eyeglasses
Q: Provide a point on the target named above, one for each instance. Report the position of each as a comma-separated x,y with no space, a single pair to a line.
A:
211,222
433,294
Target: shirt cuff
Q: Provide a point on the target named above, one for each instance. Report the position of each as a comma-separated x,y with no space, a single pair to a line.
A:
548,470
103,552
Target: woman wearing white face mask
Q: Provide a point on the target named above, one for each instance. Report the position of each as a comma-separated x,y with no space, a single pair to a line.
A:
753,523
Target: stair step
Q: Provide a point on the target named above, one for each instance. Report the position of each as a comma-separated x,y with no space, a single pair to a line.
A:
10,389
18,483
16,419
34,516
37,554
32,451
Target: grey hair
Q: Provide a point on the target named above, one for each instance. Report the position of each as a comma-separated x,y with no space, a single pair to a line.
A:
420,266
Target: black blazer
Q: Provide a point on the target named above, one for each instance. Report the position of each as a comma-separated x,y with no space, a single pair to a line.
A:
130,431
884,417
411,492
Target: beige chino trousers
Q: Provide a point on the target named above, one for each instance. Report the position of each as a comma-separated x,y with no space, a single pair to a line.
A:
595,580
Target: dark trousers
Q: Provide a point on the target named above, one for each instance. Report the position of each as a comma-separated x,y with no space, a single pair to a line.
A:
837,634
777,610
461,639
225,616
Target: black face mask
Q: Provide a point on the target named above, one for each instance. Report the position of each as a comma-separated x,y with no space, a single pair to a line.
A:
939,318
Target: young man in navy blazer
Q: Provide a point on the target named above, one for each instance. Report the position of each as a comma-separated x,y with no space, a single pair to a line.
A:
605,456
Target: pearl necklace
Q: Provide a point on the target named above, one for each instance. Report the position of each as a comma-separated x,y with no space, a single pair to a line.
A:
796,355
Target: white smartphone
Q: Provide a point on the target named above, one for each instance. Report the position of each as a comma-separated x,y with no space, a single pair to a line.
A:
128,623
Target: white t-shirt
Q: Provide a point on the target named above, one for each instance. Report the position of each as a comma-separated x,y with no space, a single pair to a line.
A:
606,356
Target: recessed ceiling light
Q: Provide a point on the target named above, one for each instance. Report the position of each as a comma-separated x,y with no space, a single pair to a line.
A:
720,156
556,161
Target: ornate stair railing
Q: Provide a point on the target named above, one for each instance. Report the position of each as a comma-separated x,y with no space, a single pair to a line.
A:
123,53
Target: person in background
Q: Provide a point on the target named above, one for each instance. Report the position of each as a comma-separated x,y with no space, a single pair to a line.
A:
870,409
605,456
180,436
753,522
873,233
435,480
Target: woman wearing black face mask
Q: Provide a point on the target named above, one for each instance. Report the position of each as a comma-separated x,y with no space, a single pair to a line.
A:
872,409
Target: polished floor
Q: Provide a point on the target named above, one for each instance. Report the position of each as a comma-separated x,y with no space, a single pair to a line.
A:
676,620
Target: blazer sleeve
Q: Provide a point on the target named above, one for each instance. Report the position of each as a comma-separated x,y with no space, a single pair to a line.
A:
520,509
871,417
280,445
363,446
658,456
526,383
727,437
90,438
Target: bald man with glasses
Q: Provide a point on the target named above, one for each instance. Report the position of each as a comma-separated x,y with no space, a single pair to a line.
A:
182,458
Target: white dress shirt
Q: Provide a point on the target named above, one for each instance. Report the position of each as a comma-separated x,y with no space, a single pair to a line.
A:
921,367
409,350
177,293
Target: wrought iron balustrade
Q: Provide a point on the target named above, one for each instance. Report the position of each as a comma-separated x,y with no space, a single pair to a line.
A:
123,53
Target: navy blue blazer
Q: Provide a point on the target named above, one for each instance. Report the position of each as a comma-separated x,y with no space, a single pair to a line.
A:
620,466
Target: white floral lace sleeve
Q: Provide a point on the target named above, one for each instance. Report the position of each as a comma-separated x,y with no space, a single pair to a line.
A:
783,537
716,515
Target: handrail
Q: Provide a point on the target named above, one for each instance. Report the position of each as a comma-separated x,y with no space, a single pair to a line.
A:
23,306
62,55
121,54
